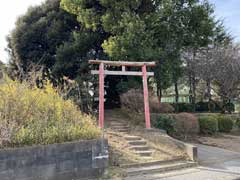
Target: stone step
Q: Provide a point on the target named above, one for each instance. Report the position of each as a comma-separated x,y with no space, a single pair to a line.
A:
137,142
144,153
117,123
160,168
114,133
140,148
119,127
151,163
132,138
122,130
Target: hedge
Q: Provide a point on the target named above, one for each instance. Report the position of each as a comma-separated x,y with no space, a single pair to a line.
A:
238,123
225,123
183,107
208,124
164,122
213,106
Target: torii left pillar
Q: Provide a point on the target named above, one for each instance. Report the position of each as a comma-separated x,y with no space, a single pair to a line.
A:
145,95
101,95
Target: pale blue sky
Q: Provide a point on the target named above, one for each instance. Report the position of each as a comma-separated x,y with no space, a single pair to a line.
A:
9,11
229,10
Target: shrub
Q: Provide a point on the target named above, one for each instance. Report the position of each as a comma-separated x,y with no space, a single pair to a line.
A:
134,101
211,106
157,107
238,123
165,122
166,108
186,124
225,124
183,107
202,107
30,115
208,124
230,107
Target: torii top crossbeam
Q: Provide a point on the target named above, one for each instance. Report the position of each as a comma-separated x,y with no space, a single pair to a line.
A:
101,72
122,63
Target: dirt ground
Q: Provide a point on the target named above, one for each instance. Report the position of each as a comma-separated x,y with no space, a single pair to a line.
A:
227,141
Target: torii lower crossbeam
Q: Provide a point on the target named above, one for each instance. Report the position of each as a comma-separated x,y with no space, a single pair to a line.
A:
101,72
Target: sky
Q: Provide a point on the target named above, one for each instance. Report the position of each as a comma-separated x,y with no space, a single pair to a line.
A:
228,10
9,11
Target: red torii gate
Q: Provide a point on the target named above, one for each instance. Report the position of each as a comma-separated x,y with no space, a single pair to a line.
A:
101,72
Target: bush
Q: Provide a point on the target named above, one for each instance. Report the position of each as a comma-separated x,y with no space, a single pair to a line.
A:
208,124
238,123
202,107
230,107
157,107
211,106
30,115
183,107
133,100
225,124
165,122
166,108
186,124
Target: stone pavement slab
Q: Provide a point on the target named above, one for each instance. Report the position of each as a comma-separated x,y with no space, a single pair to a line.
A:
199,173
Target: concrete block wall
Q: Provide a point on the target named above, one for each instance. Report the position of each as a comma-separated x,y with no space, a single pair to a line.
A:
68,161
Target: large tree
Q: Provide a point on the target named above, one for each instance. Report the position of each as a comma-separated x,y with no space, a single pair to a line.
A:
39,33
148,30
200,61
139,30
227,73
50,37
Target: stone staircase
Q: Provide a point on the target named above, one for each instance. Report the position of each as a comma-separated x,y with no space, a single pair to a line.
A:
119,126
137,144
146,171
151,168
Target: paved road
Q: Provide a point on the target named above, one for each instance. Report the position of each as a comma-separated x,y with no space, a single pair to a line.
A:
215,164
215,157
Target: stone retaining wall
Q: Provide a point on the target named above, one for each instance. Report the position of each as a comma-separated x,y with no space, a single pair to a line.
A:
68,161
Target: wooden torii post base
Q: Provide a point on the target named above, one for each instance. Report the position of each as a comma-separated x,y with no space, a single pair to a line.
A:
101,72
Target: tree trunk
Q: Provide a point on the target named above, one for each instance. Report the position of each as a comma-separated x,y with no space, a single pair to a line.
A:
176,92
159,92
194,92
194,83
209,90
224,105
190,88
209,96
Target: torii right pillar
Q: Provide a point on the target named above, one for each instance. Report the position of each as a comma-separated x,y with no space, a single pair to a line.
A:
145,94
